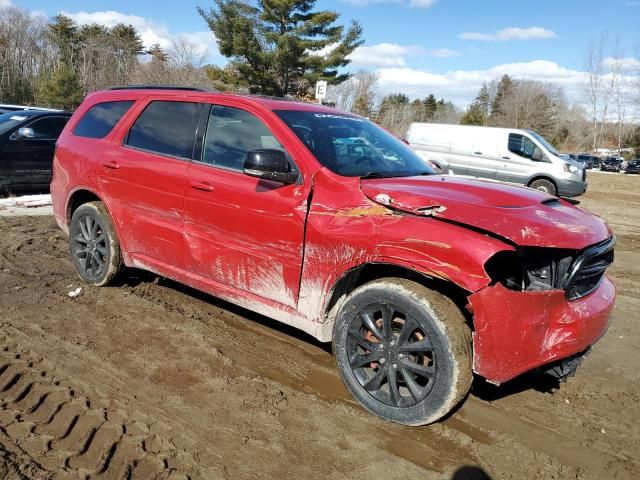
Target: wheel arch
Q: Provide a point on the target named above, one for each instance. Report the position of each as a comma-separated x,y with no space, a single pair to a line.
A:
79,197
371,271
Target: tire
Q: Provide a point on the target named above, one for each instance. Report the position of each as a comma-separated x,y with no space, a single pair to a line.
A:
545,186
427,355
91,228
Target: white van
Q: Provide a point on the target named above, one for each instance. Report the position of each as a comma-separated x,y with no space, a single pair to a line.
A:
503,154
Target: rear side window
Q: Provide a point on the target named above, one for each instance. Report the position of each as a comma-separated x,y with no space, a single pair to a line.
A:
101,118
168,128
521,145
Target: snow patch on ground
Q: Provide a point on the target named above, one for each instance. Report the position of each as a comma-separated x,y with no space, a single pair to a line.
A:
26,205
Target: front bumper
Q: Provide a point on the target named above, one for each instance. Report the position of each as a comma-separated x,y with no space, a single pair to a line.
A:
571,188
519,331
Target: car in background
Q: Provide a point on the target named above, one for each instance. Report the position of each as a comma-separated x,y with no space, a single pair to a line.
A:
612,164
509,155
27,143
589,161
633,166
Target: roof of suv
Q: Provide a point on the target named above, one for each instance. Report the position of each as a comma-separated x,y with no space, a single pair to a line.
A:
271,103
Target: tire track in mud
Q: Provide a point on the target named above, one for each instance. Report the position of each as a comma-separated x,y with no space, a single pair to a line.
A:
65,434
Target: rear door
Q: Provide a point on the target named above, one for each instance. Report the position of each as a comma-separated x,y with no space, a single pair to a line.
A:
144,178
30,159
485,152
243,232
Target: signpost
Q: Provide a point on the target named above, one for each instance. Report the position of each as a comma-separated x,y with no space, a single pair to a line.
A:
321,90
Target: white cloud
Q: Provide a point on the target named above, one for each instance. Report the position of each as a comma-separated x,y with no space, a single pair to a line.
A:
382,55
390,54
412,3
443,53
510,33
5,3
461,86
149,31
421,3
628,64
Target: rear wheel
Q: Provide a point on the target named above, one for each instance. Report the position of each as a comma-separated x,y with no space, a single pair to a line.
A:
403,351
544,185
94,246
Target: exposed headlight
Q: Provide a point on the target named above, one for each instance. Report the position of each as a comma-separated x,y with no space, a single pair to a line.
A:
571,168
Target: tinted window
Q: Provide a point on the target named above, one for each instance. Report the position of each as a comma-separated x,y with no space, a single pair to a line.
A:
521,145
48,128
101,118
232,134
10,120
168,128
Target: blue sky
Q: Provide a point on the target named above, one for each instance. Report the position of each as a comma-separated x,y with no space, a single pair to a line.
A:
448,47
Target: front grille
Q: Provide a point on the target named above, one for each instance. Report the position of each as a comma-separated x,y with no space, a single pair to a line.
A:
588,269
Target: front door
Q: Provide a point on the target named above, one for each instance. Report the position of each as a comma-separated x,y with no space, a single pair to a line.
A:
241,231
30,158
516,164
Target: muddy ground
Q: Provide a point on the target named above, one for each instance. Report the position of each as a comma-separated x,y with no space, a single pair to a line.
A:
154,380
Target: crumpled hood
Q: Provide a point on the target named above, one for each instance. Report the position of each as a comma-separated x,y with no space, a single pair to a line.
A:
525,216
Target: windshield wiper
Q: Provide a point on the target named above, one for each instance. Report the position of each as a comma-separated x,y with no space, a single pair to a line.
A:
393,174
375,175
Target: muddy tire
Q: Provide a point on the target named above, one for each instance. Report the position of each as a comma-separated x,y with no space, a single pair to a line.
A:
403,351
94,245
545,186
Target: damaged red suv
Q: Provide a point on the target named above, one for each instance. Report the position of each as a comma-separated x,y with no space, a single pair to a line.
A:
319,219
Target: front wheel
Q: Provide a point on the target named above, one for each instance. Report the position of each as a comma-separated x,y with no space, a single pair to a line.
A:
403,351
544,185
94,245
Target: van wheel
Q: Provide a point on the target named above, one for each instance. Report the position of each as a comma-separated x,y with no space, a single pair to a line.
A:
94,246
544,185
403,351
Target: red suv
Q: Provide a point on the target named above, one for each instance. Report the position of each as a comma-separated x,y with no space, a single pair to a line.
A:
321,220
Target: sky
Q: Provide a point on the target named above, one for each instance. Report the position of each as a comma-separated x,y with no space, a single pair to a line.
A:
445,47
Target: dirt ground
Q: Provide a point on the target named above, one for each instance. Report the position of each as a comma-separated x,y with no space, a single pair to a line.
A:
154,380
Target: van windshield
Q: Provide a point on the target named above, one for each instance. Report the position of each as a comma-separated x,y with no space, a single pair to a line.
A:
352,146
544,143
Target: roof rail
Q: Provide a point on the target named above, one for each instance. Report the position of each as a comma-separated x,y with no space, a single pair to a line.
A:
163,87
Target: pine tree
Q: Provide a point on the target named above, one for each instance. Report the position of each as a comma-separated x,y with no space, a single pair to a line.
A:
276,44
430,107
504,93
61,89
478,111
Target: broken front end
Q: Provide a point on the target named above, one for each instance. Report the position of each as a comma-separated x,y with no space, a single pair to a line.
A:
543,307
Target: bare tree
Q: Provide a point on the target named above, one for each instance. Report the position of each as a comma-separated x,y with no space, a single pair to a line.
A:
356,94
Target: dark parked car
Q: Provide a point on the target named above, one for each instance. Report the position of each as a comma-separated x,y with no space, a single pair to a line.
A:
634,166
612,164
27,142
589,161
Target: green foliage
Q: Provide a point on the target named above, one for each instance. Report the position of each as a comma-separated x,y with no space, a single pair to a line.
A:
225,79
277,46
478,111
61,89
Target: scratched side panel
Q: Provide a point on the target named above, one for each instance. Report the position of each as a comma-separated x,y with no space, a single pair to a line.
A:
345,229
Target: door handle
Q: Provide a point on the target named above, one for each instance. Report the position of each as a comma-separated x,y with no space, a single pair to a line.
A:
111,164
478,153
506,157
203,186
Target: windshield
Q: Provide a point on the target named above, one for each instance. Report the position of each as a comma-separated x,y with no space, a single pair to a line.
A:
10,120
544,143
352,146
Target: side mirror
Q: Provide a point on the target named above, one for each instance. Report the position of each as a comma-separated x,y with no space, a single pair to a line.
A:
537,155
269,164
22,133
